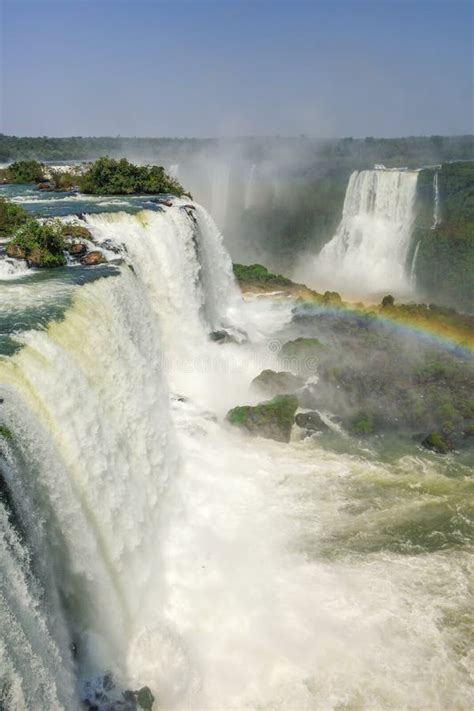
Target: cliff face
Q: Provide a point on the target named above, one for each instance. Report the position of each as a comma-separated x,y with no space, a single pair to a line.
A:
444,231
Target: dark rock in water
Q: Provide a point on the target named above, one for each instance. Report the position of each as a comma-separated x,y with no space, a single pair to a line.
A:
145,698
228,336
93,258
110,246
77,249
80,215
271,382
46,187
272,419
311,421
189,207
437,443
161,201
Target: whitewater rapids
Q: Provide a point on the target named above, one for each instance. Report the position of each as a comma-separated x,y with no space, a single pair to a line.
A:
173,551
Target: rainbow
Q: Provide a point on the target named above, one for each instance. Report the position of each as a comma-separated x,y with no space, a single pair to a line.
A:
432,327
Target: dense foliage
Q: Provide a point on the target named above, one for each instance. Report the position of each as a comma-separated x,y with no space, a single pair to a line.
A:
40,244
11,217
445,264
28,171
107,176
259,274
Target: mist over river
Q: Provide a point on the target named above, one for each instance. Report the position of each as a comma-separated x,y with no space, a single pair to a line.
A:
144,542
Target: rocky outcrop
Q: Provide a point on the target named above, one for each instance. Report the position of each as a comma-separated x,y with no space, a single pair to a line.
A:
311,421
272,419
93,258
271,382
76,249
437,443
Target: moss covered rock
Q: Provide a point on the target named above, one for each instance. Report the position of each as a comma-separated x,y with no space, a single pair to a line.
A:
437,443
272,419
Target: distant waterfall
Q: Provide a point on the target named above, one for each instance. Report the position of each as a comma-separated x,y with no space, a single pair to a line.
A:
413,264
436,210
368,254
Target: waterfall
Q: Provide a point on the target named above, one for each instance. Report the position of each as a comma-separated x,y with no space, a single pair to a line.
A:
179,256
87,406
436,212
413,264
369,251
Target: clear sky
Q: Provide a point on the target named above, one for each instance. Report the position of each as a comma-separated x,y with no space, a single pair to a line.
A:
236,67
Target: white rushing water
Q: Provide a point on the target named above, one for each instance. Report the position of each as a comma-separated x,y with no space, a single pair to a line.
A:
368,253
180,554
436,208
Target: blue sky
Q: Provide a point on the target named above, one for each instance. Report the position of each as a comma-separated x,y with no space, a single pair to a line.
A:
236,67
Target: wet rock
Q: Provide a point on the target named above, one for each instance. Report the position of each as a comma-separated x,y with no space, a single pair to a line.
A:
311,421
46,187
77,249
145,698
110,246
271,382
228,336
437,443
93,258
272,419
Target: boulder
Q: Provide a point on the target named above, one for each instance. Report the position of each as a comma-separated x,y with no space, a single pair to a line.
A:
311,421
437,443
145,698
93,258
77,249
271,382
272,419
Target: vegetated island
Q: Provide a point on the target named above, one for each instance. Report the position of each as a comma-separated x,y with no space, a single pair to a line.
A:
105,176
46,243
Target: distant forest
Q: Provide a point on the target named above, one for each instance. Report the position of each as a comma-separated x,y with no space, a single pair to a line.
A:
345,153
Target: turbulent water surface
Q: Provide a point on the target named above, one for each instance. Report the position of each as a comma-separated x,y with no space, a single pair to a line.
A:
141,537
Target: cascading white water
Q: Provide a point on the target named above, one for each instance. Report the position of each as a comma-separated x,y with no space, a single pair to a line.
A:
369,251
88,409
436,212
413,264
190,556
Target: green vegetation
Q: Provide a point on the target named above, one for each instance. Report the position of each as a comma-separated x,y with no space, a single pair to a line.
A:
40,244
379,377
64,180
362,424
272,419
445,264
437,443
5,432
11,217
120,177
259,274
29,171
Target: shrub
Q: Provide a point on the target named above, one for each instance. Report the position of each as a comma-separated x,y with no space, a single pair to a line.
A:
120,177
41,244
11,217
25,171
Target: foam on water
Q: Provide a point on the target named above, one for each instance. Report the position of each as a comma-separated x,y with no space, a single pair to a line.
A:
222,571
